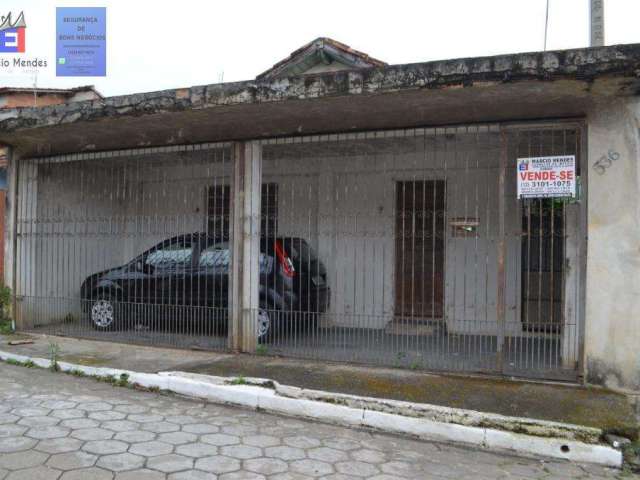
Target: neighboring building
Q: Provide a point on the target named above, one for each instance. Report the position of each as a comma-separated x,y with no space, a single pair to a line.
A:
14,97
321,55
403,179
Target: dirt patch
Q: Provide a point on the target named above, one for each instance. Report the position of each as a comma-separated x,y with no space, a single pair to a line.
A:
87,360
591,407
10,337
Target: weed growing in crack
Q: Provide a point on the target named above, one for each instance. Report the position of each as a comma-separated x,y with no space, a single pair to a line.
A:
123,381
239,381
261,349
54,353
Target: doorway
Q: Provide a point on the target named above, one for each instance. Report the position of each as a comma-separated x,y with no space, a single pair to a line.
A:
543,255
419,252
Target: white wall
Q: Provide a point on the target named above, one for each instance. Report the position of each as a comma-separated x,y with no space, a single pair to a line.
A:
354,217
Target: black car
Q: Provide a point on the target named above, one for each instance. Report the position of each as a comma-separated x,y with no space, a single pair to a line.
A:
186,278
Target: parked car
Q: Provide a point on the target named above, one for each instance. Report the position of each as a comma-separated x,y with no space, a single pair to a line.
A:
186,279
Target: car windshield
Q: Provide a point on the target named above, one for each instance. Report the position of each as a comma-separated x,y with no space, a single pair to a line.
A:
170,256
218,256
215,256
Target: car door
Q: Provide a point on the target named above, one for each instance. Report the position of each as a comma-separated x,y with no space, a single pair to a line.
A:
167,283
211,285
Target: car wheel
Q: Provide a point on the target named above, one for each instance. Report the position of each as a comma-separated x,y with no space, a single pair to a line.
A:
264,326
104,313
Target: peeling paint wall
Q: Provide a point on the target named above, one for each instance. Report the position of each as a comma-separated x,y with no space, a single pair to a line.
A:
612,343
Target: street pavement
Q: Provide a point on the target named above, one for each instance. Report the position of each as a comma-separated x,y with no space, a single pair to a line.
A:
60,427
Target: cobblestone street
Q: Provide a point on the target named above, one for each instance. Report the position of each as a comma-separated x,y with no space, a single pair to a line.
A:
56,426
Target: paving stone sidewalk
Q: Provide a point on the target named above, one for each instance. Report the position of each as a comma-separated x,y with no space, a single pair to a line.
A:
59,427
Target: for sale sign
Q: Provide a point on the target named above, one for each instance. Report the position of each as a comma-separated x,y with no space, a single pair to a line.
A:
543,177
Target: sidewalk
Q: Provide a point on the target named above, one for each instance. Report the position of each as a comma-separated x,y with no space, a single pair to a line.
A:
87,430
593,407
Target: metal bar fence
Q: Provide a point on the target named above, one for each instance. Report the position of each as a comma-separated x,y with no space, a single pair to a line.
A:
405,248
111,246
418,253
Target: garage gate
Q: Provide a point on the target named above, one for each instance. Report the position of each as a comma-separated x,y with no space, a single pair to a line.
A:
404,248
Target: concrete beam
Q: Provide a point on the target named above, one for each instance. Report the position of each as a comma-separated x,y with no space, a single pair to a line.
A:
528,85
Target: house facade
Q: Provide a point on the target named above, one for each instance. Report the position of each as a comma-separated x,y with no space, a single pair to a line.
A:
14,97
401,181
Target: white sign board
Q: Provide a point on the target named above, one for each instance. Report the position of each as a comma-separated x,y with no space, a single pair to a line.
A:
543,177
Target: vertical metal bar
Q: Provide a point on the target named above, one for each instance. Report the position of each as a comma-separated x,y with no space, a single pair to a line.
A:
501,278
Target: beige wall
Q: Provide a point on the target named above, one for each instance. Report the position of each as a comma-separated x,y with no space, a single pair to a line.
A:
28,99
612,342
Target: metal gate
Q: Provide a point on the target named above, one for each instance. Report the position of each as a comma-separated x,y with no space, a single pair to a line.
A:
404,248
108,245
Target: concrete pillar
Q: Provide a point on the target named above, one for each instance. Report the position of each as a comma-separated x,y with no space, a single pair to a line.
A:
501,280
244,298
570,330
612,317
11,238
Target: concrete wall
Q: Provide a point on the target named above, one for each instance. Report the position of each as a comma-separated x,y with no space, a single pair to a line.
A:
612,337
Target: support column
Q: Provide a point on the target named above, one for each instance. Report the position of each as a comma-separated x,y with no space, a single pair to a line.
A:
570,328
246,193
501,280
11,233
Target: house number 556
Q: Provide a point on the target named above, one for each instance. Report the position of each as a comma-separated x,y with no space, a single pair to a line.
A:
605,161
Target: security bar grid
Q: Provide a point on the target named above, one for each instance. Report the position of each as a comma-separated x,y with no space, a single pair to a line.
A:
404,248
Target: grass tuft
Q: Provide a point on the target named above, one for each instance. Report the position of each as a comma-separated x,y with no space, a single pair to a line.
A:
239,381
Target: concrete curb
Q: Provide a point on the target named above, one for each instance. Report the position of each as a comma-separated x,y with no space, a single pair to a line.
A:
472,418
428,422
